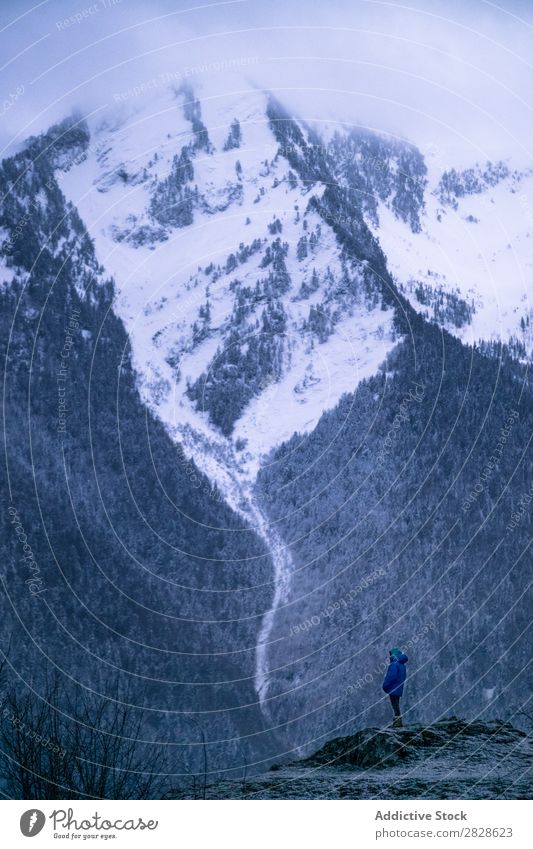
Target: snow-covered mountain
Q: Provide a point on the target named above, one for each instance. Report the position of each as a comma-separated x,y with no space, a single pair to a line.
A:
247,318
295,305
224,223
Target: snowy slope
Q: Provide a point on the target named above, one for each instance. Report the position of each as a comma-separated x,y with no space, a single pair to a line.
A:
478,249
163,283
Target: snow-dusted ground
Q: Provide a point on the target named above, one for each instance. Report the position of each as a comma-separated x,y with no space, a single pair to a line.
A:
450,759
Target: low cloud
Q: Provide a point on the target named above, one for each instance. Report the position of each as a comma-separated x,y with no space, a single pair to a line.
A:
452,77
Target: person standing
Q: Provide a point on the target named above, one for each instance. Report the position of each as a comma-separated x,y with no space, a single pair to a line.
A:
394,681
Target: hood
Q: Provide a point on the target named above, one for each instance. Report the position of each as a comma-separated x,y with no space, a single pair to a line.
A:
400,657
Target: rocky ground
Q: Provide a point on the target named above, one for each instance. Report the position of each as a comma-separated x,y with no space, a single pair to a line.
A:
450,759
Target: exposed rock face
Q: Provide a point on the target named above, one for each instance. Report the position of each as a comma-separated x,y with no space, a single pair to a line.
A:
450,759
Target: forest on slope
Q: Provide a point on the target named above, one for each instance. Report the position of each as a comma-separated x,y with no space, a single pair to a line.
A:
146,582
402,515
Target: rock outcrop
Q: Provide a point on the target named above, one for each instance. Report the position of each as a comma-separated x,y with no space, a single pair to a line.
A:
450,759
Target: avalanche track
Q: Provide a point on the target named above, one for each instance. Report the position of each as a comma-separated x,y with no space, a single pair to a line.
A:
215,457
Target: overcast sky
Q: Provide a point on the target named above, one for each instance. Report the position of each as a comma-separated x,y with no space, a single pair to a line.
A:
455,76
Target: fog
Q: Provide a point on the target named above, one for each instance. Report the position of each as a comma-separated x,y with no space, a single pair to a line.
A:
452,77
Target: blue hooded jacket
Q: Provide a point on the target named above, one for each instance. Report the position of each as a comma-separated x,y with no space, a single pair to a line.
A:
396,673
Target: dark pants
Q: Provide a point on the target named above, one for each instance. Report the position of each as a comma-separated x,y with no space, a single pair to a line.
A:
395,702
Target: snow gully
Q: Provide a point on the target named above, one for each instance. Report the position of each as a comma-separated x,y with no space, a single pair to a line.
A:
214,456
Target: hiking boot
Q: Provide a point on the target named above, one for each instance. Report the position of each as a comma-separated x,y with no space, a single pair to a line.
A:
397,722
